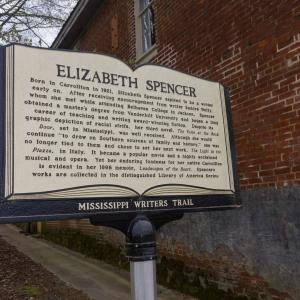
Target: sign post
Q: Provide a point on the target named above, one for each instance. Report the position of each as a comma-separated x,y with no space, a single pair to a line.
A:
140,231
141,252
143,280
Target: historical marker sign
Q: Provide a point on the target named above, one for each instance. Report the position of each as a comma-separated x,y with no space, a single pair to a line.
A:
83,134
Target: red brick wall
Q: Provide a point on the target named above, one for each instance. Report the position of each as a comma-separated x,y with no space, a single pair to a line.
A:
101,34
252,47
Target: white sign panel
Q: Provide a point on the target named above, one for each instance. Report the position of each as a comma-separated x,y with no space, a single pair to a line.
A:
86,126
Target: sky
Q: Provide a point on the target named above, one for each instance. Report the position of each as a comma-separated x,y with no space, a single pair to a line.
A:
21,24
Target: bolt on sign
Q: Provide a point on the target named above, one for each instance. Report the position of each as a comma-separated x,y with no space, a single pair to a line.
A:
83,134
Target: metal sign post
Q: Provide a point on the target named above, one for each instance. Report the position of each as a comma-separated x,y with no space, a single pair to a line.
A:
141,252
140,230
143,280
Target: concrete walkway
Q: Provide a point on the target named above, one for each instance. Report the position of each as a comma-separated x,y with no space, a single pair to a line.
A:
96,279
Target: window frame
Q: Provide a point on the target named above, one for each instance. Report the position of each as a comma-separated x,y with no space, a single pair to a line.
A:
141,55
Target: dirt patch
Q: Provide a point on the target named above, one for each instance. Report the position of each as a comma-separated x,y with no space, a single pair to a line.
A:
23,279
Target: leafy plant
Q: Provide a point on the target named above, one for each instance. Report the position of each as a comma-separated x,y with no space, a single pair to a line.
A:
31,291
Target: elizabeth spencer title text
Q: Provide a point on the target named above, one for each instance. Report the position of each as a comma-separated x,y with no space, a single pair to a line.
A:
83,74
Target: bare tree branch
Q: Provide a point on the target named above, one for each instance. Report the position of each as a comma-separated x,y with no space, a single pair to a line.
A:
36,34
31,21
17,6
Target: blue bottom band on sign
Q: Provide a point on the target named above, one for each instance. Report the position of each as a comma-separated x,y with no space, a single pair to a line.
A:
29,210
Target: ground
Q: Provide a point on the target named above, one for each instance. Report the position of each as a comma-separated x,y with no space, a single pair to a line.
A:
23,279
34,269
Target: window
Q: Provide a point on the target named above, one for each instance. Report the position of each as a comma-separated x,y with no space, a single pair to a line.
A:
145,28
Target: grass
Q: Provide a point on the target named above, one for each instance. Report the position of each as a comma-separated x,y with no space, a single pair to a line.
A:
30,291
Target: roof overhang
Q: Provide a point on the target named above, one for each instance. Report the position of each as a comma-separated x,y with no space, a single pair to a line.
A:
76,23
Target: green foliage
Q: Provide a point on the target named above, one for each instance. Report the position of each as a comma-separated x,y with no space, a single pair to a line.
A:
30,291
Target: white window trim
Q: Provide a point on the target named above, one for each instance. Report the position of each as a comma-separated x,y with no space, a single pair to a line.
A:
141,56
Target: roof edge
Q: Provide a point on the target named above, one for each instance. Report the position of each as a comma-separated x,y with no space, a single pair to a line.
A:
75,23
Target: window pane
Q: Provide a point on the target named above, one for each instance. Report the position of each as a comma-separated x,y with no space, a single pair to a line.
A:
146,32
148,28
144,3
152,25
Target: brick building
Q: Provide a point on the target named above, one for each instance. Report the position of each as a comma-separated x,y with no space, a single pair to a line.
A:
253,48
